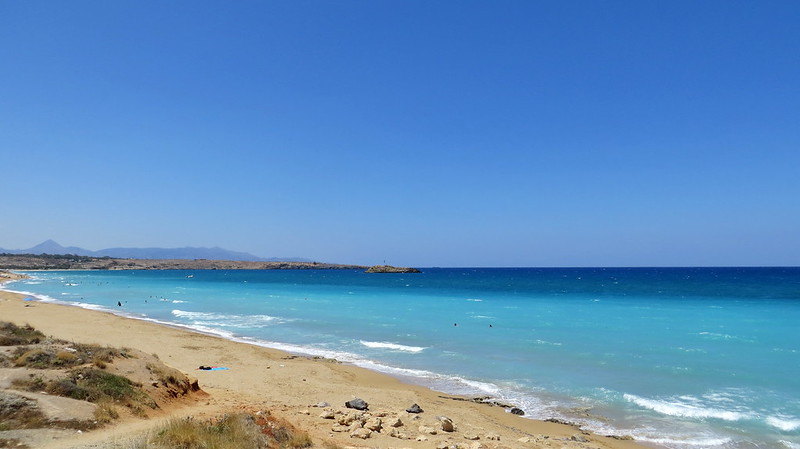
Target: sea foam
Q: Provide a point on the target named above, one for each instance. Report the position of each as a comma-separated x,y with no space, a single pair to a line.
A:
783,423
683,409
226,320
392,346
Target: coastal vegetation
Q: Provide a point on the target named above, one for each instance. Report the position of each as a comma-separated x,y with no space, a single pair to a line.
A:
74,262
230,431
97,382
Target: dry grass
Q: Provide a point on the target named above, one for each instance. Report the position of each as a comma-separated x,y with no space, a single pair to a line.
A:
282,434
56,354
229,432
97,353
13,442
93,385
33,358
13,335
105,412
165,375
234,431
17,412
34,383
52,356
65,358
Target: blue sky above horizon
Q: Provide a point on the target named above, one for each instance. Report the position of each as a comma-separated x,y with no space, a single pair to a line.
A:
512,133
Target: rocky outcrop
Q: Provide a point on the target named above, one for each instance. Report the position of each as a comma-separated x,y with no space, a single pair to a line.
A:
9,276
391,269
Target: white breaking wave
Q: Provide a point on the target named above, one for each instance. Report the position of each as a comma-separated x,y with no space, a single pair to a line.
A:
37,296
718,336
789,444
228,320
783,423
672,442
392,346
682,409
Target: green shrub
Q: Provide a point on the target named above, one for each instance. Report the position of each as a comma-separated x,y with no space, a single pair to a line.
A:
13,335
34,358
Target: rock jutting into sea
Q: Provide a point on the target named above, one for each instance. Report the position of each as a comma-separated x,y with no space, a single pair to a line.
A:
391,269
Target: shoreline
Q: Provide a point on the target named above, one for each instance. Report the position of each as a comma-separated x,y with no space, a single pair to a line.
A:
298,381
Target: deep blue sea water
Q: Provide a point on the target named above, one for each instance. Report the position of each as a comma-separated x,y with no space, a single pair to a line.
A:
677,357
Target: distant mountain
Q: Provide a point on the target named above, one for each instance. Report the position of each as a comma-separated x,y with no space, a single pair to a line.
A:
216,253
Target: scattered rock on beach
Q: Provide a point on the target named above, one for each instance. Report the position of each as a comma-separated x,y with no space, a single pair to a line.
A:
373,424
361,433
394,433
358,404
327,414
446,423
579,438
396,422
414,409
427,430
349,418
516,411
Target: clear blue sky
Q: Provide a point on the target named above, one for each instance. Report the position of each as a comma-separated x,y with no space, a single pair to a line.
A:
423,133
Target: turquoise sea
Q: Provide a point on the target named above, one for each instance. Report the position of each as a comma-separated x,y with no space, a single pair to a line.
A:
675,357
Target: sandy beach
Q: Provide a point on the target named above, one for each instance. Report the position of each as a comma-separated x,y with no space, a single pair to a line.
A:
291,387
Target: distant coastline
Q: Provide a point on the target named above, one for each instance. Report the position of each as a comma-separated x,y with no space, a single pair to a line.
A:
74,262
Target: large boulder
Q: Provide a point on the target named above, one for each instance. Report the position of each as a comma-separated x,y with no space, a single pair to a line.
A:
358,404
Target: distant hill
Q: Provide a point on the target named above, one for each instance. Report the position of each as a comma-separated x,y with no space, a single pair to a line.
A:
216,253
